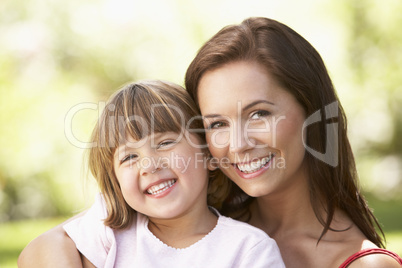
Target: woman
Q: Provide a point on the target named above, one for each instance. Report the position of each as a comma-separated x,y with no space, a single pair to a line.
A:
263,91
276,128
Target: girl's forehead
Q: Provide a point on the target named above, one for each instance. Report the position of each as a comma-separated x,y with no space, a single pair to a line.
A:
153,139
130,142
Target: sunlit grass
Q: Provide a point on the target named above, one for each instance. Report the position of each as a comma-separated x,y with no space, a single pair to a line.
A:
16,235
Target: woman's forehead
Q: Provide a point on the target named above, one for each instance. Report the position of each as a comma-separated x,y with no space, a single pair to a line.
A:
235,86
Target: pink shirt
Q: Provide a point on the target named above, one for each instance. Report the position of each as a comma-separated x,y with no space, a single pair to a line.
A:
230,244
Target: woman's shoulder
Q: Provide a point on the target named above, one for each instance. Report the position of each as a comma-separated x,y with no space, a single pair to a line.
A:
373,257
353,249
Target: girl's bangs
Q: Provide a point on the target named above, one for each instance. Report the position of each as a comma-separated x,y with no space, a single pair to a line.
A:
140,113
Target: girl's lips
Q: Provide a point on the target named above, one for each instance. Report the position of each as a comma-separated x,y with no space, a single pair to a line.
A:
255,168
160,188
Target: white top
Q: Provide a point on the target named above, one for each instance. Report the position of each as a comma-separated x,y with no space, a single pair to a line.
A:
230,244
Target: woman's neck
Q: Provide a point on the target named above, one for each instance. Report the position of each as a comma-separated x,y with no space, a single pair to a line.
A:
185,230
282,214
290,212
285,211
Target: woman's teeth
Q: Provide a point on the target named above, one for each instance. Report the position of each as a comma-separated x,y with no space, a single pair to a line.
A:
159,188
255,165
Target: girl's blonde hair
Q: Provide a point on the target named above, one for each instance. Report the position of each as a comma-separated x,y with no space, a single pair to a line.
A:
137,110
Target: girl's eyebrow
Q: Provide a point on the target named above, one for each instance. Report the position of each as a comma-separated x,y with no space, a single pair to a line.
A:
126,146
248,106
120,151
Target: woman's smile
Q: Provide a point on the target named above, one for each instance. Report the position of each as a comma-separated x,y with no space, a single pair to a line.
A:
255,167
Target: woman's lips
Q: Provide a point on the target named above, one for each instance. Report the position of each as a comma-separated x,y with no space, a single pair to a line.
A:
254,168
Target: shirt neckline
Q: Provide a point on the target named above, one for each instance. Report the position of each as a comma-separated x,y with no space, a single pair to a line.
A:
195,244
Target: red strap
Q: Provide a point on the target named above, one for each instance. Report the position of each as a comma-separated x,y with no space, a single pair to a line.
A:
369,251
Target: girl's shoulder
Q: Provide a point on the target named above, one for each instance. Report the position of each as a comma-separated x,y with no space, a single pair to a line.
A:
240,241
227,225
96,241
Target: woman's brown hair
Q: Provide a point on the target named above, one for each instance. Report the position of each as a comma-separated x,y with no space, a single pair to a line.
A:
298,67
137,110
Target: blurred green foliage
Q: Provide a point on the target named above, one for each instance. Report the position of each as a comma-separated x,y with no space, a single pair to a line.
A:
374,55
57,54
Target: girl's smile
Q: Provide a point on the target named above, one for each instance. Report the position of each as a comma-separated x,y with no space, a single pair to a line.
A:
160,188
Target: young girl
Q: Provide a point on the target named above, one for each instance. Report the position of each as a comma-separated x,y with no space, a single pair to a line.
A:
150,163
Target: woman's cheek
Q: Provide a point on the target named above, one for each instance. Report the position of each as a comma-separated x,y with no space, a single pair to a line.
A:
217,142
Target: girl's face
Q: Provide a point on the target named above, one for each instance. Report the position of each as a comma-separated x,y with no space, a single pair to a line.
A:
254,127
163,175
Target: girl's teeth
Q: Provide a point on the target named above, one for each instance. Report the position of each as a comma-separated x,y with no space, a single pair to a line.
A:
156,189
255,165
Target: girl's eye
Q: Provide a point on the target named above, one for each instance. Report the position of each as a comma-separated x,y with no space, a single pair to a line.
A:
166,144
128,158
259,114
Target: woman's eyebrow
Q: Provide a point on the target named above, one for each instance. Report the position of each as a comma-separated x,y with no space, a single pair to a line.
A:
248,106
211,116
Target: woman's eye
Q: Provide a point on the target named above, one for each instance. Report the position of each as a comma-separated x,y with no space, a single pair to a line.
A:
217,124
259,114
128,158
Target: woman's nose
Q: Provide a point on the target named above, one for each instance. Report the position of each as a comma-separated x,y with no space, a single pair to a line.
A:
240,140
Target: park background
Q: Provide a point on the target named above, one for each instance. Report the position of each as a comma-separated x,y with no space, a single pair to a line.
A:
55,55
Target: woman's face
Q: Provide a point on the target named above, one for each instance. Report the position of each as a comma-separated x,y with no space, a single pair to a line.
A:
254,127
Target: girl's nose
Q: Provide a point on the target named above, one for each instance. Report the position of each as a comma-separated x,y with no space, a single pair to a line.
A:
148,166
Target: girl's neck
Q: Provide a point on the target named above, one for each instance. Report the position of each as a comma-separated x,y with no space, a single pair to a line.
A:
185,230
